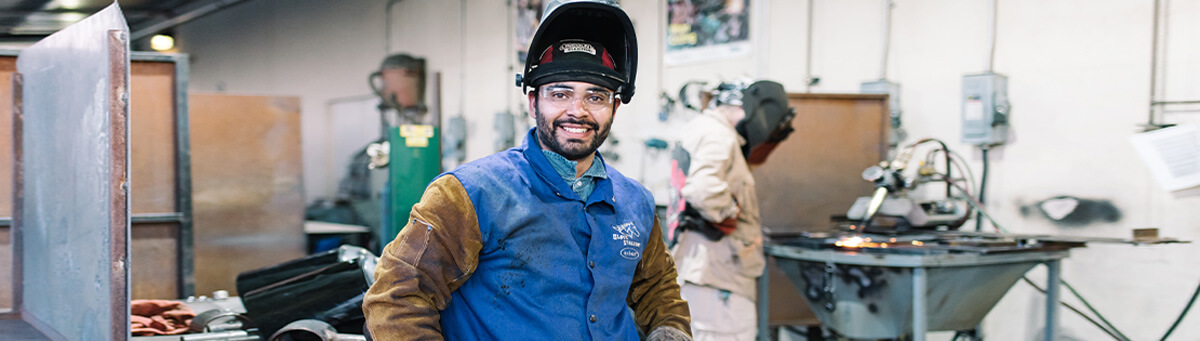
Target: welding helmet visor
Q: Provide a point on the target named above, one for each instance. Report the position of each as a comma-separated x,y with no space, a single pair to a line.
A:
768,120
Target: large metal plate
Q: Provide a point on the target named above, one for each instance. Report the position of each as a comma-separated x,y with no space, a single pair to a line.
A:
246,180
71,218
814,174
160,186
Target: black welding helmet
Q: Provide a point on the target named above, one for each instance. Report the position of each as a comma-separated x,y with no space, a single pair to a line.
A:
768,119
601,23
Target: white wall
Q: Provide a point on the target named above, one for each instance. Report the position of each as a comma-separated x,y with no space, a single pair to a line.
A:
1079,76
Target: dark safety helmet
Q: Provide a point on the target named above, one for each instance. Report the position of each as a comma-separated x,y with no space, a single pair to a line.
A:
768,119
600,23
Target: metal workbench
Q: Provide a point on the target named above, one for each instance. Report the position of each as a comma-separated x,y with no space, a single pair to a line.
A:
880,293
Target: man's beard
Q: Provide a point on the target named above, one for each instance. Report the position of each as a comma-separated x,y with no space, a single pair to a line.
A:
572,149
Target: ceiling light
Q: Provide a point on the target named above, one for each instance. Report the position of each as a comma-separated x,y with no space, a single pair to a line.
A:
162,42
70,4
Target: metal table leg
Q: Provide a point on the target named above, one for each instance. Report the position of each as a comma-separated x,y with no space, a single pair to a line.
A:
920,323
1053,272
764,283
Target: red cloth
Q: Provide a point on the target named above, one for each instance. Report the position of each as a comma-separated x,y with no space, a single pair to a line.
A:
160,317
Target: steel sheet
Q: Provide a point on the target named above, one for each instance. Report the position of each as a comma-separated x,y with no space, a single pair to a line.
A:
72,206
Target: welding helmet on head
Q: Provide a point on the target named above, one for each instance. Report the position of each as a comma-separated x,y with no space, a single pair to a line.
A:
767,120
602,25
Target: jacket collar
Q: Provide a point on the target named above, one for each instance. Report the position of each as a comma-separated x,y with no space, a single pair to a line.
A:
546,172
720,117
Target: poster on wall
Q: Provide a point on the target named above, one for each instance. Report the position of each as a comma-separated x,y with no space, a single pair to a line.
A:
1172,154
706,30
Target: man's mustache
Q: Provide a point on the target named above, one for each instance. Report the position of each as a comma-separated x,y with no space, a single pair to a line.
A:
593,125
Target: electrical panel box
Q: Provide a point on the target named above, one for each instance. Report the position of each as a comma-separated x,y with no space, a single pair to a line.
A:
883,86
985,109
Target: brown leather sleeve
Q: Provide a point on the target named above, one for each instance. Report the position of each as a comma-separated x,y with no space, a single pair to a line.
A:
654,293
430,258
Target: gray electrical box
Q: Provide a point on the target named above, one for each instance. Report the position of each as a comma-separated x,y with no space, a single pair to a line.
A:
883,86
985,109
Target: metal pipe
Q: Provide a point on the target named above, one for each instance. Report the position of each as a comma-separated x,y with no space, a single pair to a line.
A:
183,18
185,244
511,57
1053,272
887,37
991,34
462,59
920,319
156,218
1164,111
808,49
1153,66
1174,102
387,29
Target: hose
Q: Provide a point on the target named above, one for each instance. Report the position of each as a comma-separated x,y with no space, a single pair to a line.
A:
1080,313
1182,314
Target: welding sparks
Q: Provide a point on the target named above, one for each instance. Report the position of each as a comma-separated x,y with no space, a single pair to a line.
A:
857,242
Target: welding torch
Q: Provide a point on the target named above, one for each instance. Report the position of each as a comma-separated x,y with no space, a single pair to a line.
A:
888,177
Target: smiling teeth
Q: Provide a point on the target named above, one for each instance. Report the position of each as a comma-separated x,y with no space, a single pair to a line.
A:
575,130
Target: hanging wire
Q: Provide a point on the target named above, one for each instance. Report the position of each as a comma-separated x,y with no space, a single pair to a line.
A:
1093,310
978,206
983,149
1182,314
1077,311
962,162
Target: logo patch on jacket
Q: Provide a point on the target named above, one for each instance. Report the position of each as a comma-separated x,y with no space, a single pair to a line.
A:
630,253
628,233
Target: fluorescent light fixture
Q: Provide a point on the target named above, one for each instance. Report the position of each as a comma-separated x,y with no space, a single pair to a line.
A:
66,4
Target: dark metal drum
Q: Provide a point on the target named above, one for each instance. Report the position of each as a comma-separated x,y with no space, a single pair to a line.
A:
327,286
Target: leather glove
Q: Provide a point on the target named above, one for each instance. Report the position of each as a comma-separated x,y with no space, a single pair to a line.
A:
668,334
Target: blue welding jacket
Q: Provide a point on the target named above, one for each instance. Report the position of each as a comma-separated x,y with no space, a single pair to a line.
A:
553,266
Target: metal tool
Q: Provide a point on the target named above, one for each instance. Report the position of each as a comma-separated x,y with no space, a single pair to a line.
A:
312,330
890,206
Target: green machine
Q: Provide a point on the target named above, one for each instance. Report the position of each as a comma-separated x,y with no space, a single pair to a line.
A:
415,158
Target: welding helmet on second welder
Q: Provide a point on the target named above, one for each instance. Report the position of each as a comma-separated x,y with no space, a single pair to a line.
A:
768,119
598,21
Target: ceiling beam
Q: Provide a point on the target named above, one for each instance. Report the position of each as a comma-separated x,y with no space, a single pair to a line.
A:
186,14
